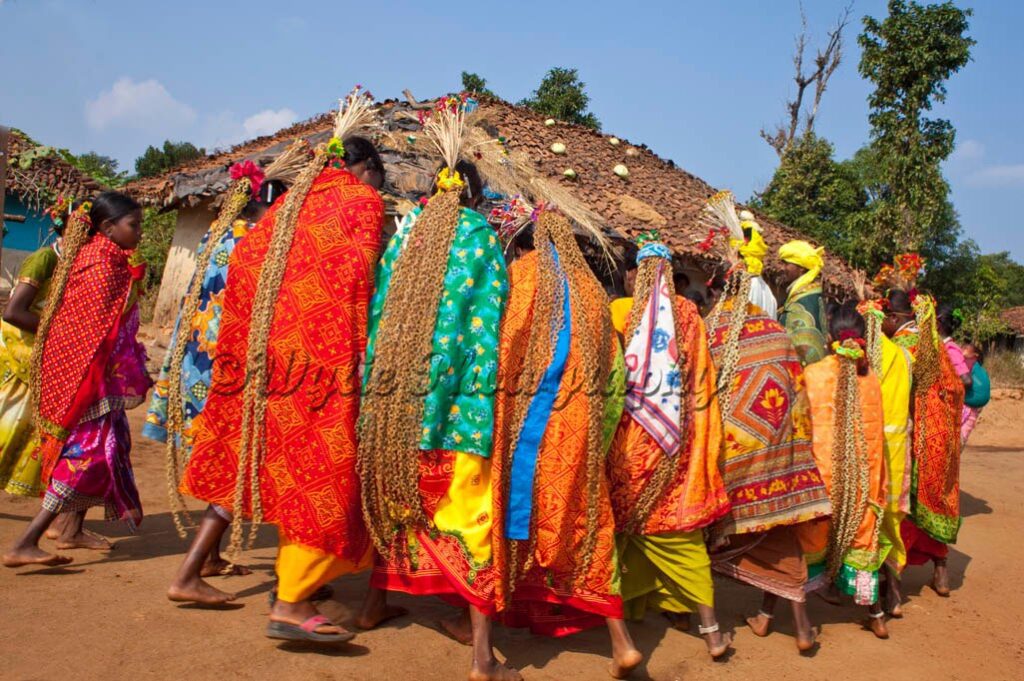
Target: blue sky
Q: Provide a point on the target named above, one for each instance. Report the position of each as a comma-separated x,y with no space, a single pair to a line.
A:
695,81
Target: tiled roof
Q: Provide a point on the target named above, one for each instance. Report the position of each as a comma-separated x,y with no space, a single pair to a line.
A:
1014,318
656,192
46,177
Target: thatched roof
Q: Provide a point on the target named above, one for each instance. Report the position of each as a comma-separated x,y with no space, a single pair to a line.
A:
37,174
1014,318
656,192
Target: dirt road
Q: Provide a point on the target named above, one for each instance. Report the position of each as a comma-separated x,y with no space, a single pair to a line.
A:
105,616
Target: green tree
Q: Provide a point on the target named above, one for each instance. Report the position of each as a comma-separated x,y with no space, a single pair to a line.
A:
157,232
99,167
981,286
561,95
476,85
156,161
909,56
814,194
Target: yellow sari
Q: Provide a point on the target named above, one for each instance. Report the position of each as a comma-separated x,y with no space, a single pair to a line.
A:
896,381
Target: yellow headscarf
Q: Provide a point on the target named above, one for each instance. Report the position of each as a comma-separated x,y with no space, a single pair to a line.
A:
752,250
803,254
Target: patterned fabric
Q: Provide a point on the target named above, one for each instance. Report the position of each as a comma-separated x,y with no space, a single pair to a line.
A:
308,478
696,496
201,342
92,363
864,554
458,412
768,465
803,317
19,469
548,599
653,374
453,558
94,469
935,486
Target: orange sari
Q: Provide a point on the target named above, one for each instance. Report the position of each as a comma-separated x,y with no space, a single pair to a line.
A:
549,598
308,479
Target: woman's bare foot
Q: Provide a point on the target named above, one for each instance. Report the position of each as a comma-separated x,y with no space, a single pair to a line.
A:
877,627
459,628
680,621
493,671
623,663
372,620
33,555
760,624
940,579
198,591
807,641
84,539
218,567
718,644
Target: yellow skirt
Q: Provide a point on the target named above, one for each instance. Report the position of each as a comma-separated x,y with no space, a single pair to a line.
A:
19,471
667,572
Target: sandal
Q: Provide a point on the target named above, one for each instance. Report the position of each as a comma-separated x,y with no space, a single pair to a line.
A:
286,631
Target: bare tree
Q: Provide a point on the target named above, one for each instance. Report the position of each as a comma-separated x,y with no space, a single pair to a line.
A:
826,62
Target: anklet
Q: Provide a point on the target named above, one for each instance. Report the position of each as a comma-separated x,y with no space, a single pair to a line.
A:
762,613
707,630
876,616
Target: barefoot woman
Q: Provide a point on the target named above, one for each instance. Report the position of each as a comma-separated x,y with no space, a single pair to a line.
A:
666,485
87,369
276,439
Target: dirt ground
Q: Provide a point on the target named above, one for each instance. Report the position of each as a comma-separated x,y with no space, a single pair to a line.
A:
105,616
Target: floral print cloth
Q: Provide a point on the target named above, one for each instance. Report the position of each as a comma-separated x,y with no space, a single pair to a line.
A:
458,413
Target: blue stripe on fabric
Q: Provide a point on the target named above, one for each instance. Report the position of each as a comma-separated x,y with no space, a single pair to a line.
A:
524,459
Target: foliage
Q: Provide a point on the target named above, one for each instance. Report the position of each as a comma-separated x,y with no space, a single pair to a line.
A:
909,56
156,161
476,85
101,168
561,95
157,232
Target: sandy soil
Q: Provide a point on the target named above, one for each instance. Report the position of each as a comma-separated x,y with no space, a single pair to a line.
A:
105,616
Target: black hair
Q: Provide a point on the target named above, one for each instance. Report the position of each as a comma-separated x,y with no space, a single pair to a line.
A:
695,297
846,318
681,281
978,352
946,320
899,302
359,149
629,253
524,240
717,283
111,206
469,174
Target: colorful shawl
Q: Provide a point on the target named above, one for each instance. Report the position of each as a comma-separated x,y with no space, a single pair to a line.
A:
938,403
82,335
201,341
653,376
458,413
308,480
559,516
768,465
695,496
864,554
803,317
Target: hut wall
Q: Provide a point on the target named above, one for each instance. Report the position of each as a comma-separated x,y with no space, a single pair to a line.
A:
21,240
181,261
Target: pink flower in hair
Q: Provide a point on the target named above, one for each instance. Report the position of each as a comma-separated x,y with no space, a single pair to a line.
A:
248,169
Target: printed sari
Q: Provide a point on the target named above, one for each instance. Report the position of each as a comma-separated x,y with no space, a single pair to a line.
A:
19,470
452,558
768,464
665,561
308,483
540,489
93,370
200,338
858,575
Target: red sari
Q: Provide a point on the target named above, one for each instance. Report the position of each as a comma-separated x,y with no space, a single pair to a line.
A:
308,481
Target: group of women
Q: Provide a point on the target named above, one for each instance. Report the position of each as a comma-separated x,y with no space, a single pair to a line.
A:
468,417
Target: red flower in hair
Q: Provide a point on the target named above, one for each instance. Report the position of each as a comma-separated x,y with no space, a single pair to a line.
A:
850,334
248,169
912,294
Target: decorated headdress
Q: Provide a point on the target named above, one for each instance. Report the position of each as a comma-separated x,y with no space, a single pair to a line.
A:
902,275
60,211
355,113
873,312
805,255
